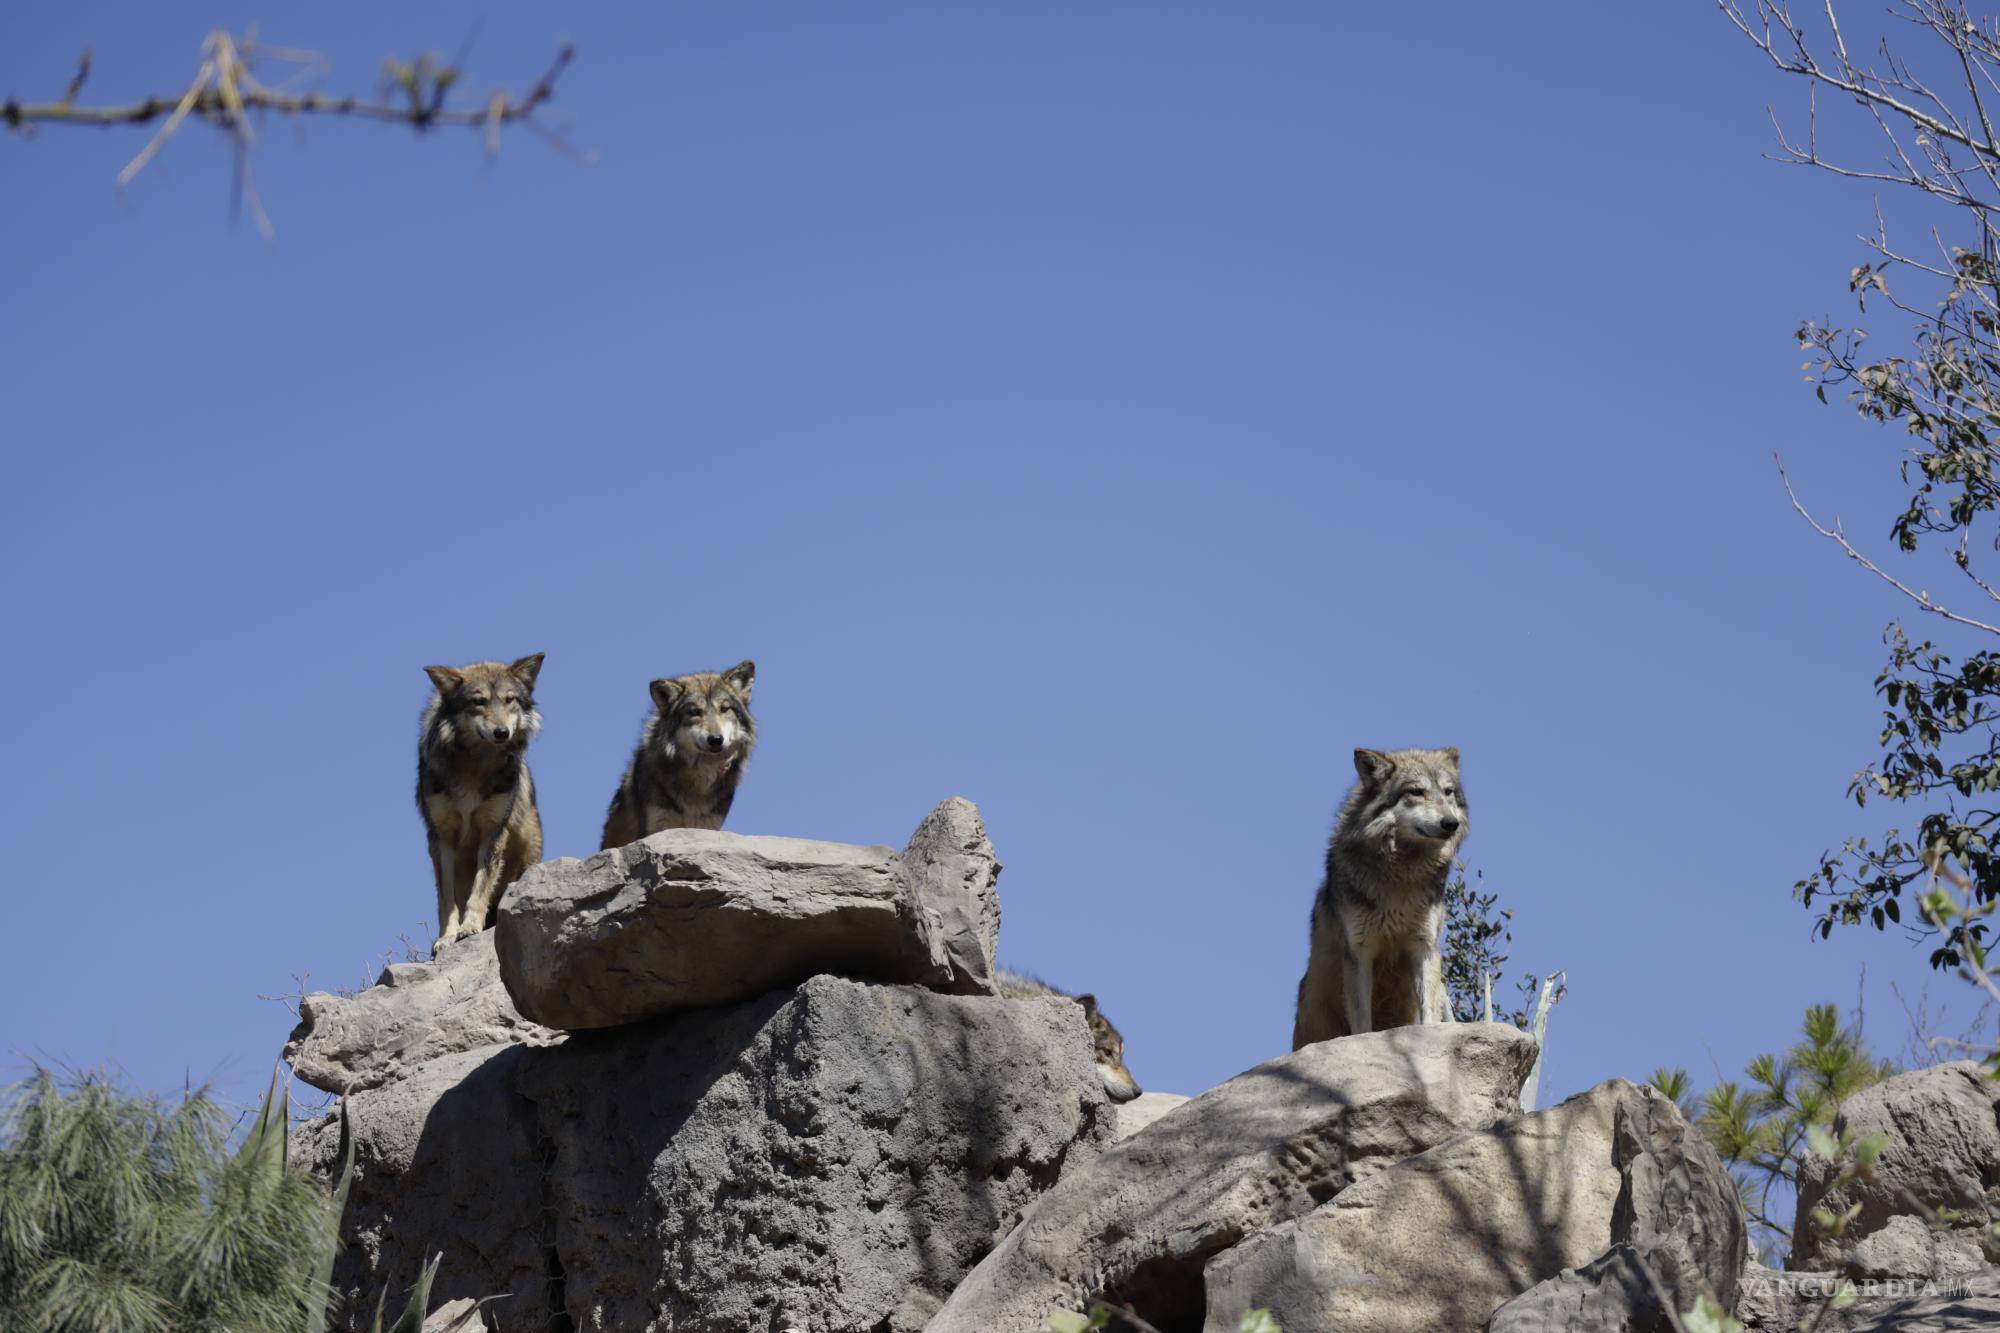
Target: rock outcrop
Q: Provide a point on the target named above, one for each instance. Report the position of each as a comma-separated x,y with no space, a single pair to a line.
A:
1677,1232
708,1082
690,918
1442,1239
832,1156
413,1013
1140,1222
1941,1149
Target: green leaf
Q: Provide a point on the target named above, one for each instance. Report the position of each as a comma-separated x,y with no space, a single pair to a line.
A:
320,1294
1708,1317
1067,1321
412,1318
1258,1321
263,1150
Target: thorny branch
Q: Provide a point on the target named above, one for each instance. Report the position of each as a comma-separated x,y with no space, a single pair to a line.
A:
226,93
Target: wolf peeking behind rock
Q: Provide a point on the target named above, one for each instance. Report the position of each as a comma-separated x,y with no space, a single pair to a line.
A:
1374,962
689,758
474,790
1107,1045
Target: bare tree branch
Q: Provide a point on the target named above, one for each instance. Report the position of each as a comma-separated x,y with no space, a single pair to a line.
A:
1922,599
227,94
221,106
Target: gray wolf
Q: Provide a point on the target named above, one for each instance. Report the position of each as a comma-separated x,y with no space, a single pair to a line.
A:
690,756
1107,1046
474,790
1374,961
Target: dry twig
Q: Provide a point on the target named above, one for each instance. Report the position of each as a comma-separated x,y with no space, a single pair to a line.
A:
227,94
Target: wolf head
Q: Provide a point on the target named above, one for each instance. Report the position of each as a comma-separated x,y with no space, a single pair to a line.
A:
705,718
487,703
1109,1050
1410,802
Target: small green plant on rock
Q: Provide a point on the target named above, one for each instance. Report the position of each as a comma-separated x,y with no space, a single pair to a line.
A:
125,1213
1763,1127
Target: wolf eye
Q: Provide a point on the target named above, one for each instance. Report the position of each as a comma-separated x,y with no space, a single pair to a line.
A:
477,701
1414,794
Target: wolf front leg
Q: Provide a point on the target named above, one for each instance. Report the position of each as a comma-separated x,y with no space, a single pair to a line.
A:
1359,981
1433,1001
444,868
486,882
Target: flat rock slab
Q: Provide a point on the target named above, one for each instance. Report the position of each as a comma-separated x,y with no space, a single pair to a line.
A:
691,918
1141,1222
415,1012
828,1158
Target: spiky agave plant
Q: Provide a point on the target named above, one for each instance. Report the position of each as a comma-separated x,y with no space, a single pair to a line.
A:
124,1213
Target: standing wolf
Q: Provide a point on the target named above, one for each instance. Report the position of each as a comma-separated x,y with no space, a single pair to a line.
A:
689,759
1374,962
474,790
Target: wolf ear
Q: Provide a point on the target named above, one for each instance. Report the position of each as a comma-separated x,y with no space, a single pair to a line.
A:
1450,752
666,693
1089,1003
526,669
446,679
740,676
1372,765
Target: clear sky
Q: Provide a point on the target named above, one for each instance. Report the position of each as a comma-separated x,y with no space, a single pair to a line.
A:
1114,413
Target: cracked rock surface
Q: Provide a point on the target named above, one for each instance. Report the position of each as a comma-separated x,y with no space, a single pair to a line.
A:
1140,1222
833,1156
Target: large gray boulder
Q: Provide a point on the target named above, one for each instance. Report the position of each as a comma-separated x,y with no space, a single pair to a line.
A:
691,918
413,1013
1677,1233
1440,1240
1942,1148
1141,1222
831,1157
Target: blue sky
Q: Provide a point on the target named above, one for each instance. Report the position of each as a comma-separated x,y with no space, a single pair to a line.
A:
1113,413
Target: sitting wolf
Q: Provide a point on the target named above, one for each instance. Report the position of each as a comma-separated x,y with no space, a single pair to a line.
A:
1374,961
1107,1047
689,758
474,790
